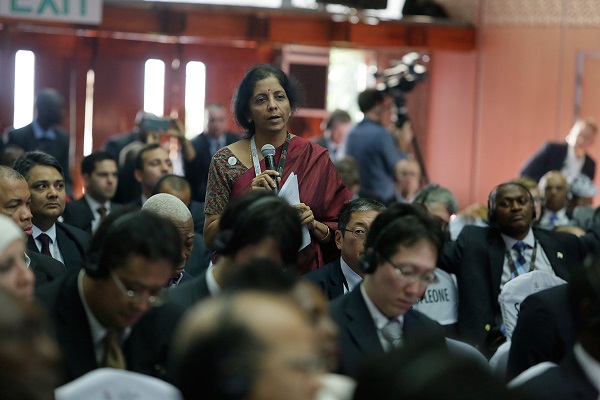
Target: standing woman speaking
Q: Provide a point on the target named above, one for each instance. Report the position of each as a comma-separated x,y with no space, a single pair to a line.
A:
263,105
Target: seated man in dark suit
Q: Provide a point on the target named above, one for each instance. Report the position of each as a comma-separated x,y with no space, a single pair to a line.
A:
485,258
151,162
255,225
44,133
344,274
100,178
170,207
577,376
63,242
206,145
179,187
104,315
570,158
399,262
14,203
544,331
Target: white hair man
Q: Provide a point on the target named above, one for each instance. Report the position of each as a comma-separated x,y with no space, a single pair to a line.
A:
170,207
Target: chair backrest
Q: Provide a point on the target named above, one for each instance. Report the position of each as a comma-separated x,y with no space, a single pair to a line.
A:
531,373
459,348
499,361
440,301
107,383
516,290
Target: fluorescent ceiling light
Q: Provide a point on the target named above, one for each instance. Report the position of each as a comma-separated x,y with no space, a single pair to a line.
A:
241,3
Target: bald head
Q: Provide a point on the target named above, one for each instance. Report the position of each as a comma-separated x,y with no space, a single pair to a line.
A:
555,188
251,344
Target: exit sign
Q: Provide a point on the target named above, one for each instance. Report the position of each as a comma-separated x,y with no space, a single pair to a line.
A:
78,11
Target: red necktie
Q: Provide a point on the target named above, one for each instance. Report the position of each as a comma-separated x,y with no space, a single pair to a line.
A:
45,241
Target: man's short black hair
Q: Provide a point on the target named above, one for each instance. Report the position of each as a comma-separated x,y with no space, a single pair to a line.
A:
32,159
249,225
88,163
368,99
124,233
357,205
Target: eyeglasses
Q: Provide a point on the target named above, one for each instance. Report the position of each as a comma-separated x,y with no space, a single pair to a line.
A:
358,233
408,272
154,301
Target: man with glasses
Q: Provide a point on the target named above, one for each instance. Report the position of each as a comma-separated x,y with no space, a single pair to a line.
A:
106,315
344,274
399,262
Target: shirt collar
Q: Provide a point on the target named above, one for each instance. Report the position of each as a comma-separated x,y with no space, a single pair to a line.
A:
211,282
352,278
528,240
379,319
50,232
98,330
589,365
40,133
94,205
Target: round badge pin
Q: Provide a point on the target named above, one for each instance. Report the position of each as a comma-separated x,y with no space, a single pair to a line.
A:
232,161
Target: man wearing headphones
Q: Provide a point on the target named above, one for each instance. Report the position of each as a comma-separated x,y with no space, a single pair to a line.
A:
485,258
344,274
577,376
399,262
255,225
106,315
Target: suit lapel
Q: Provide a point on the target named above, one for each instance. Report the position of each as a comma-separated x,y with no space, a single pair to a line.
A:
68,250
496,260
73,328
361,326
337,280
550,247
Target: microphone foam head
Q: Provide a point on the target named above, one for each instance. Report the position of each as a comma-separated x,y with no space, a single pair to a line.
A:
267,150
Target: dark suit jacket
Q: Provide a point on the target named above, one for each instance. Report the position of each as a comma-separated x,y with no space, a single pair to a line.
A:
477,258
565,382
196,171
79,214
72,242
545,330
552,157
329,278
59,147
145,350
358,337
115,143
189,293
128,188
45,269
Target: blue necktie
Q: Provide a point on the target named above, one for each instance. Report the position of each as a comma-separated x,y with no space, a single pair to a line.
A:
521,262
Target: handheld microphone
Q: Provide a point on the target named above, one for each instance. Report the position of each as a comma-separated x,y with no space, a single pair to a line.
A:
268,153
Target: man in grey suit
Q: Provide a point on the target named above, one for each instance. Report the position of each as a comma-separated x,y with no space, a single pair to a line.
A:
402,248
44,133
63,242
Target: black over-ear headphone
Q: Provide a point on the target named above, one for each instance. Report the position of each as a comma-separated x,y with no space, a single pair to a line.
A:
94,265
491,202
368,260
222,243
